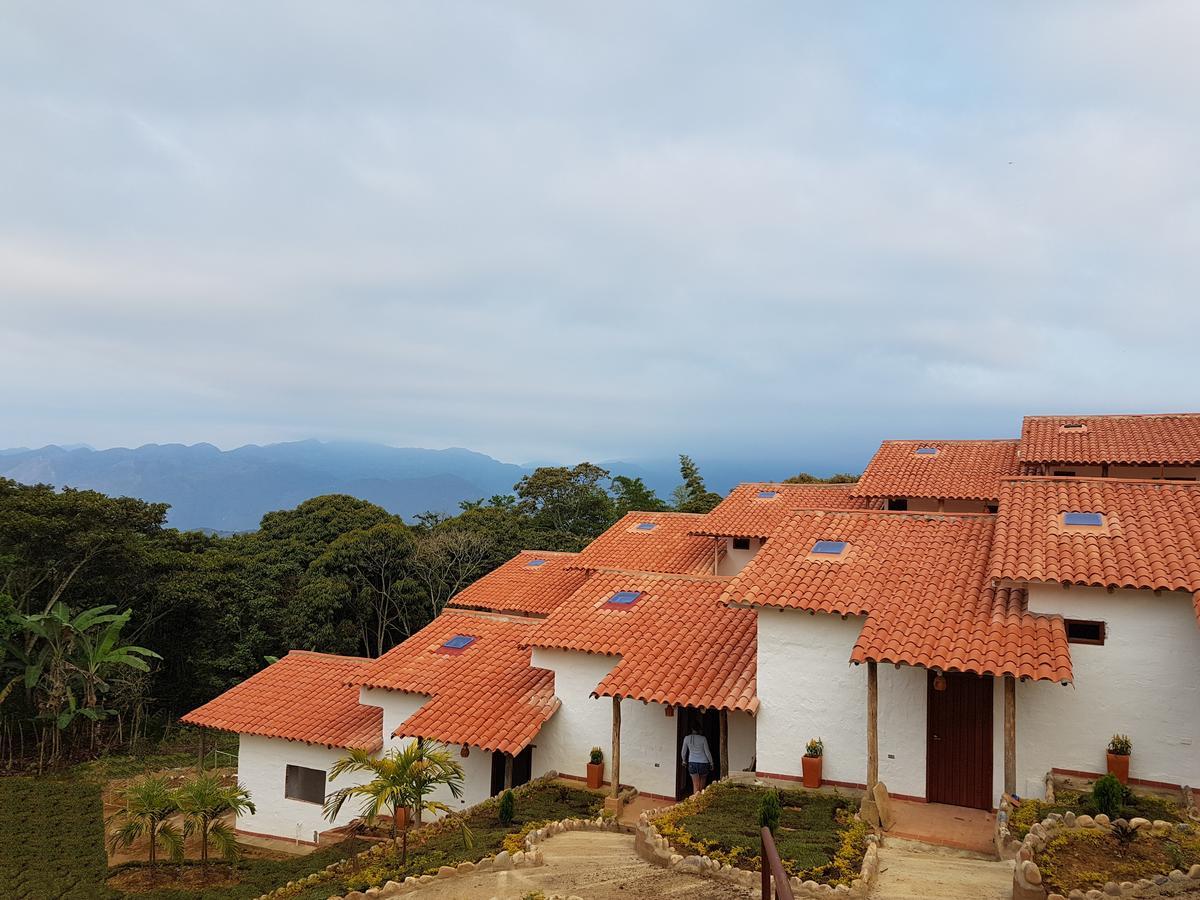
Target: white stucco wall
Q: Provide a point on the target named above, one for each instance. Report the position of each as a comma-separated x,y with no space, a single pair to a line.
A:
743,741
736,560
902,728
262,769
1144,681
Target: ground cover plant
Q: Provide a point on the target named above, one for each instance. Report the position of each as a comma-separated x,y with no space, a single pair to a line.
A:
817,835
1132,805
1087,859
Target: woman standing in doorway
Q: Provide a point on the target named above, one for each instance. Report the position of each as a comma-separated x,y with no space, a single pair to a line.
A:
697,757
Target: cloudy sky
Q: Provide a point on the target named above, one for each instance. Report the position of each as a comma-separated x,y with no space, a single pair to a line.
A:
552,230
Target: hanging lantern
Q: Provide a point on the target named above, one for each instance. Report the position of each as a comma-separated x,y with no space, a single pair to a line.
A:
939,682
465,751
670,712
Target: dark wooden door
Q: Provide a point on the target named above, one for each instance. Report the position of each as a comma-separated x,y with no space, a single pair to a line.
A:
710,725
959,746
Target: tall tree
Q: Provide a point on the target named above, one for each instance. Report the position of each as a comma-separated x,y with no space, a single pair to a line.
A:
449,559
693,495
632,495
570,502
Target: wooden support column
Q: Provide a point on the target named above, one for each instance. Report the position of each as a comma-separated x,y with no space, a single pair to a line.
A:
1010,734
200,760
508,764
724,743
872,724
616,747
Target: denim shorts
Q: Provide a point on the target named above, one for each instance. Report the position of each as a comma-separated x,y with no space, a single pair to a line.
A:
698,768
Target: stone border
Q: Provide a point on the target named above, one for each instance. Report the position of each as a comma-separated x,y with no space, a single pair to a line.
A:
1027,877
651,846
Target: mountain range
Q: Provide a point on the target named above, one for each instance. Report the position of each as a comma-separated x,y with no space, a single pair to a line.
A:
230,490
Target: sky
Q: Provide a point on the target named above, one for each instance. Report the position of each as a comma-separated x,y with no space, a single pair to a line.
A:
561,230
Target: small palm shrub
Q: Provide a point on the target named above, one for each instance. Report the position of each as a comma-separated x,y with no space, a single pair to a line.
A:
1125,834
815,747
1120,745
768,812
596,756
507,802
1108,794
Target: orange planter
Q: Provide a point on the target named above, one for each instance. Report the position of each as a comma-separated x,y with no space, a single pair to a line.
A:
1119,766
595,775
812,770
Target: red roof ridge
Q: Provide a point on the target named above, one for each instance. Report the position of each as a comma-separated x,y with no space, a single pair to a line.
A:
663,576
1103,479
894,513
1015,440
342,657
1157,415
549,552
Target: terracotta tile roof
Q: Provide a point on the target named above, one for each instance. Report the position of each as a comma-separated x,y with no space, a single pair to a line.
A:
678,644
487,694
302,697
744,514
1150,537
667,547
532,582
920,579
1168,439
959,470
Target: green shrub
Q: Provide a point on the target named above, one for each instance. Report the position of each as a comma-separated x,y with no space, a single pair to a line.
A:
1120,745
815,747
768,812
507,802
596,756
1109,795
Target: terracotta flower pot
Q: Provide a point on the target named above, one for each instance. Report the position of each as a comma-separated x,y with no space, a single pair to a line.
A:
812,770
595,775
1119,766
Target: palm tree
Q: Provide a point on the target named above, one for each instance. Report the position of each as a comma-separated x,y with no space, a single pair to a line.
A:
147,806
205,801
403,779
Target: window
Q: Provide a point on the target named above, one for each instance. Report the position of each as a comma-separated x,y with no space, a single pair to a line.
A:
623,599
1083,519
767,495
645,526
1063,472
993,507
534,563
926,451
304,784
458,642
900,503
1082,631
830,548
741,543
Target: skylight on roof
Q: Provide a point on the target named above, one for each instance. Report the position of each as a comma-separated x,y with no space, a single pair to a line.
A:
646,526
767,495
1086,519
534,563
458,642
926,451
623,598
829,548
1072,425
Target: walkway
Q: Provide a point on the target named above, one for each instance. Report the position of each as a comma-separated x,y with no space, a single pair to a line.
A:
598,865
949,826
913,871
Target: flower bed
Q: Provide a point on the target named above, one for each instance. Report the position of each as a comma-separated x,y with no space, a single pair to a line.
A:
1082,803
818,838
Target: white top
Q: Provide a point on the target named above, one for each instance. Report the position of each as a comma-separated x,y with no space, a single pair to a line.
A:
695,748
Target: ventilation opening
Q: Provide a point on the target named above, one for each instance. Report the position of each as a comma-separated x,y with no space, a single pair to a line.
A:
1083,631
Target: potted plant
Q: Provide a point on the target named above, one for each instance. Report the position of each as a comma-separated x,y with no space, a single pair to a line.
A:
1119,749
595,769
814,751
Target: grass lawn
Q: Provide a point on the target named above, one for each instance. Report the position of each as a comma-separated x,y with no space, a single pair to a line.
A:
817,837
1087,859
1081,802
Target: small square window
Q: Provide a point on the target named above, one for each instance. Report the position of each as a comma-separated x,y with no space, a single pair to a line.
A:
1083,519
304,784
767,495
623,599
829,548
741,543
458,642
1083,631
645,526
926,451
534,563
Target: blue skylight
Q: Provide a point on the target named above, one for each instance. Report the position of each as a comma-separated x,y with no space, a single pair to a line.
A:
926,451
646,526
832,548
458,642
1088,519
534,563
767,495
624,598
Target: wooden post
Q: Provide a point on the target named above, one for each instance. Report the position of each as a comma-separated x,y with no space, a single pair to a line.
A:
616,747
872,725
200,762
508,764
724,743
1010,734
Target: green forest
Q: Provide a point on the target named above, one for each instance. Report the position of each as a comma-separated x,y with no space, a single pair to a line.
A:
112,624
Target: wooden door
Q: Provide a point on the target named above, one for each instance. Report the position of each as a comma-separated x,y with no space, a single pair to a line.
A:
959,745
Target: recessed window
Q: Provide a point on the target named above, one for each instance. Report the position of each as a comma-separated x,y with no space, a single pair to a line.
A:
926,451
1084,631
1073,426
900,503
1064,473
993,507
534,563
623,599
767,495
829,548
304,784
458,642
741,543
645,526
1083,519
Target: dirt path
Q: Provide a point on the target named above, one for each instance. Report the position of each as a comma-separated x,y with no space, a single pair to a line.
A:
912,871
596,865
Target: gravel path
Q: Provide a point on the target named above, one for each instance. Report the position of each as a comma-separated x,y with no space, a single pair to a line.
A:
596,865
